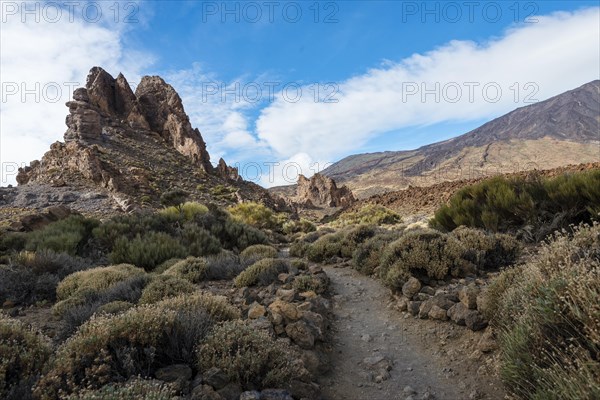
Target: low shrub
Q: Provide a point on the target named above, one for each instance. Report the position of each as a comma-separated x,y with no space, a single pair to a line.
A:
249,356
198,241
295,226
68,235
367,255
95,280
188,211
77,309
548,319
193,269
133,389
223,266
325,247
370,214
485,250
304,283
115,307
146,251
164,286
299,248
23,354
257,252
354,237
262,272
111,348
425,254
532,206
255,214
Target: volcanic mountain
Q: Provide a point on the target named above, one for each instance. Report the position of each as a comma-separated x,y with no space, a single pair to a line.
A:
562,130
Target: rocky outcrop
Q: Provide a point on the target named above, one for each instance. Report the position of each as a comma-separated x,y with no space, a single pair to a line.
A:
322,191
227,172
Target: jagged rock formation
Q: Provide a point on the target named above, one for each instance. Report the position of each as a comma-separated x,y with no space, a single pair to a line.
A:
321,191
135,146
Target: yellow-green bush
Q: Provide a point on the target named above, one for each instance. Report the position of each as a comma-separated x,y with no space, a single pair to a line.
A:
302,225
110,348
370,214
256,252
548,320
23,353
164,286
255,214
325,247
68,235
189,211
133,389
193,269
248,356
262,272
95,280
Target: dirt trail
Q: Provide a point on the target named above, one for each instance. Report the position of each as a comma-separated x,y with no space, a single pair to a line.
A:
365,330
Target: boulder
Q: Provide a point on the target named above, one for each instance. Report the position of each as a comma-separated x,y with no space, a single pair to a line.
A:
256,311
216,378
411,287
301,333
468,296
285,309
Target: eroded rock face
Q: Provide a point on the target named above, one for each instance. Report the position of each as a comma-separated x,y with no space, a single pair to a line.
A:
227,172
108,106
322,191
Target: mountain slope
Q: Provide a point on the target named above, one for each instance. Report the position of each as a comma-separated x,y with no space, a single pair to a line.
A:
562,130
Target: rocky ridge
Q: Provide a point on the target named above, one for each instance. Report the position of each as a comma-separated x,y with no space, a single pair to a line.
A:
135,146
321,191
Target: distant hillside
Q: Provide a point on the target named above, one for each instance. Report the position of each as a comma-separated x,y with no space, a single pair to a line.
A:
562,130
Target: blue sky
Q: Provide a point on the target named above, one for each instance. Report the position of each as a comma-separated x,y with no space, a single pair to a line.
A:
372,52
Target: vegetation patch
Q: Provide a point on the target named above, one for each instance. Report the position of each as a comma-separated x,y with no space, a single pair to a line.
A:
262,272
165,286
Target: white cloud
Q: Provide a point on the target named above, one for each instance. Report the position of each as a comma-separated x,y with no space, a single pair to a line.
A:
558,53
51,59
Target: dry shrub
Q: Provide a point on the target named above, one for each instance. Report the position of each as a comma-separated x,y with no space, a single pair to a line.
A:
193,269
164,286
248,356
95,280
548,317
262,272
133,389
252,254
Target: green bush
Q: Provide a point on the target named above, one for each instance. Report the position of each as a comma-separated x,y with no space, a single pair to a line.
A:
174,198
95,280
548,319
198,241
68,235
533,206
146,251
294,226
115,307
485,250
222,266
425,254
137,342
23,354
367,255
262,272
325,247
304,283
257,252
192,269
370,214
189,211
165,286
133,389
248,356
354,237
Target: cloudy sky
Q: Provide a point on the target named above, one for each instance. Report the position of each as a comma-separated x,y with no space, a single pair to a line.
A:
287,87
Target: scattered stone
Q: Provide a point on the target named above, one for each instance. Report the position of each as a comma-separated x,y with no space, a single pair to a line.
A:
413,307
285,309
411,287
256,311
409,390
468,296
458,313
475,321
315,269
438,313
301,334
275,394
377,363
366,338
487,343
288,295
250,395
231,391
205,392
216,378
428,290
